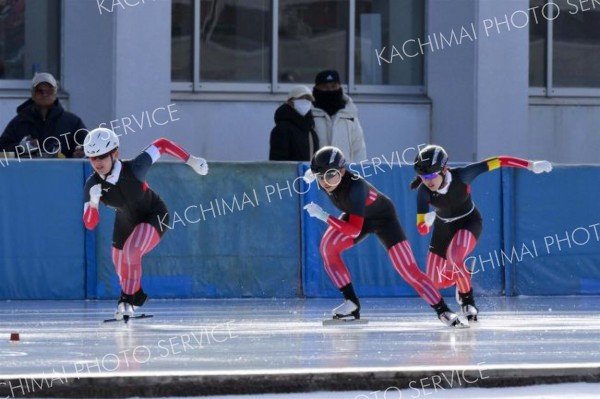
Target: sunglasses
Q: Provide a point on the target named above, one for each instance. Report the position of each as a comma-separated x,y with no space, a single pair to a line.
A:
329,175
430,176
103,156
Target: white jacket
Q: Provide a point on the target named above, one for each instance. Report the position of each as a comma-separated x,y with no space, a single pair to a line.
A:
342,130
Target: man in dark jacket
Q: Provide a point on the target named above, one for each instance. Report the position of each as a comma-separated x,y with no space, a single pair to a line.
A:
293,138
42,128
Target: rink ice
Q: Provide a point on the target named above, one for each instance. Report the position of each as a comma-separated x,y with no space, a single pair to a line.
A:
67,340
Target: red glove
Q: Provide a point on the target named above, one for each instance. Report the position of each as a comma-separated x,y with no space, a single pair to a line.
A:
423,228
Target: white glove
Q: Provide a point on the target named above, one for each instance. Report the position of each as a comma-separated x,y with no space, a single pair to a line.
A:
198,164
540,166
309,176
316,211
95,194
429,218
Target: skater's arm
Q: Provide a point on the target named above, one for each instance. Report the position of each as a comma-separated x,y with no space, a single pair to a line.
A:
91,196
91,217
422,210
165,146
142,163
470,172
351,228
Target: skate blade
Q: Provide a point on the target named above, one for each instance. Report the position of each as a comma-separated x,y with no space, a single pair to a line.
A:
126,319
345,322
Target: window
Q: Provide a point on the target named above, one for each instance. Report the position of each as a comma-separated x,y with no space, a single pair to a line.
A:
270,45
313,36
387,23
29,40
565,48
235,41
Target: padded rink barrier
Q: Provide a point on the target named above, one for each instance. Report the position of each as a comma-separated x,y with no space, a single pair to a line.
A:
245,234
232,233
372,272
552,245
42,252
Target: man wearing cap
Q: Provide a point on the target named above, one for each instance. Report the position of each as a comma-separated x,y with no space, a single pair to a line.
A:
293,138
336,117
42,127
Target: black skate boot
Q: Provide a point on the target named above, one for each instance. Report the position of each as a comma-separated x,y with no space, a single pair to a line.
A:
447,316
350,307
124,307
467,305
139,298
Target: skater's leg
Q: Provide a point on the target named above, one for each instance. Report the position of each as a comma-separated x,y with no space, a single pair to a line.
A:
460,247
332,245
404,262
438,271
128,261
128,264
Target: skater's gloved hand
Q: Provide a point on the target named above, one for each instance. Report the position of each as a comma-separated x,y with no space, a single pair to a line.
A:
540,166
429,218
95,194
423,228
309,176
199,165
316,211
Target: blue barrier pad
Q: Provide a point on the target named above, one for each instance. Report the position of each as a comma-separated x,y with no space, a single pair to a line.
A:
372,272
232,233
556,216
42,235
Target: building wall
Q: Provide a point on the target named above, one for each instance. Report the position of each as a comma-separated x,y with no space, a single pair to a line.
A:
564,133
116,67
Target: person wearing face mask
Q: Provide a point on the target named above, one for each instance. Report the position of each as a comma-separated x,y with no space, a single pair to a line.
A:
293,138
456,222
336,117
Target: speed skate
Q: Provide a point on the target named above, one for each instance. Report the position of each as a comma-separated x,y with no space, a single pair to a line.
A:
126,319
345,322
348,313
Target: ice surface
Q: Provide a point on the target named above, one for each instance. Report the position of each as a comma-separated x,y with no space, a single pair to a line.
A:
249,336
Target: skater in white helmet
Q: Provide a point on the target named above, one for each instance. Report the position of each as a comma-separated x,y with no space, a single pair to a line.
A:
456,221
122,186
366,211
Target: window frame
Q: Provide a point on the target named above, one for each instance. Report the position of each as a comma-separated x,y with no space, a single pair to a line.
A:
549,90
276,87
8,85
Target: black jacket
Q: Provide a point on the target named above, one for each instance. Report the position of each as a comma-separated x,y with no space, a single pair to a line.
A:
59,124
290,138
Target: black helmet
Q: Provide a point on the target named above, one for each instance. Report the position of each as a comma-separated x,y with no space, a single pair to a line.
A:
431,159
327,158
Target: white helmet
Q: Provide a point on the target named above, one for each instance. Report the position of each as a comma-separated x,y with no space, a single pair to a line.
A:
99,142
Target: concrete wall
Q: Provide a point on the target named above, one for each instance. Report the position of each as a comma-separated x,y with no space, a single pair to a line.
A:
564,133
116,67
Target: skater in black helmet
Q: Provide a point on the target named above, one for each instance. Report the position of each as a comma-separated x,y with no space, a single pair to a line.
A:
122,186
366,211
456,221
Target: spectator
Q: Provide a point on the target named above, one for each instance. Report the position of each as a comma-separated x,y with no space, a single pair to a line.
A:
42,127
294,138
336,117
